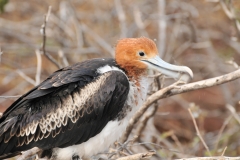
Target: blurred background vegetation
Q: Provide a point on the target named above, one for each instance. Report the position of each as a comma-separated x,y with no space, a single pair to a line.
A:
201,34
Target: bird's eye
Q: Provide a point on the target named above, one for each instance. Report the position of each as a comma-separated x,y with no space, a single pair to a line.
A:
141,53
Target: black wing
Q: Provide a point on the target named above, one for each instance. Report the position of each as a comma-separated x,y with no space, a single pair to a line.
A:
71,106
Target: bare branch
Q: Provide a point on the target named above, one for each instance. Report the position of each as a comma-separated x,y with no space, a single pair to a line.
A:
173,90
43,31
63,57
206,83
224,151
23,75
138,156
146,105
6,97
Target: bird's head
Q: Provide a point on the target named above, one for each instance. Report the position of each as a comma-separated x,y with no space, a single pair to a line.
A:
136,55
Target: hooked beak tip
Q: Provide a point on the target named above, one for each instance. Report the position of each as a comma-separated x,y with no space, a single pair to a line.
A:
187,76
181,73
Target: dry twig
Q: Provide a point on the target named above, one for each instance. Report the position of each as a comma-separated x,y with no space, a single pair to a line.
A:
224,151
43,31
5,97
138,156
27,78
63,57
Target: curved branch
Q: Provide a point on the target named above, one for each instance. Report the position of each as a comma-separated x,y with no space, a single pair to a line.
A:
173,90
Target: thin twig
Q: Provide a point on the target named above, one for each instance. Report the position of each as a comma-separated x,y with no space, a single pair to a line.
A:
46,17
6,97
23,75
138,156
198,132
63,57
43,30
224,151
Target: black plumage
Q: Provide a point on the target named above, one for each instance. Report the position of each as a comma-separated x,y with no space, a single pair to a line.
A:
27,122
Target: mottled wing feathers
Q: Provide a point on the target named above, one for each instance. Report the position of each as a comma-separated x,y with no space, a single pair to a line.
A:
70,113
82,73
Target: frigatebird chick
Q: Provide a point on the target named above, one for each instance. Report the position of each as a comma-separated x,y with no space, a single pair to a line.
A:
81,110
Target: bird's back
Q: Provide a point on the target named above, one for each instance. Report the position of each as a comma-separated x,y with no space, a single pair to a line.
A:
69,107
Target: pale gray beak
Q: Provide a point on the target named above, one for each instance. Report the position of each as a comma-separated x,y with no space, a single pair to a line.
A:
182,73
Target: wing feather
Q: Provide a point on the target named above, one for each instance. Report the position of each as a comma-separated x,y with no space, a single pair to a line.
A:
28,122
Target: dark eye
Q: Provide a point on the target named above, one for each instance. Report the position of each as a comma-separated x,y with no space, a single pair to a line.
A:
141,54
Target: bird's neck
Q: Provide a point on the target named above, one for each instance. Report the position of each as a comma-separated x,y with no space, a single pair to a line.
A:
134,74
133,69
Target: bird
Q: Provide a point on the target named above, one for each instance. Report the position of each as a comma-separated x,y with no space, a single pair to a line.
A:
82,109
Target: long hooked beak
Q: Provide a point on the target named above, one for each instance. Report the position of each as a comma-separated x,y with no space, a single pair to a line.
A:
182,73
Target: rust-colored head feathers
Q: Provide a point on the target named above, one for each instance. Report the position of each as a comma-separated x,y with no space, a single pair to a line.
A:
136,55
130,52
